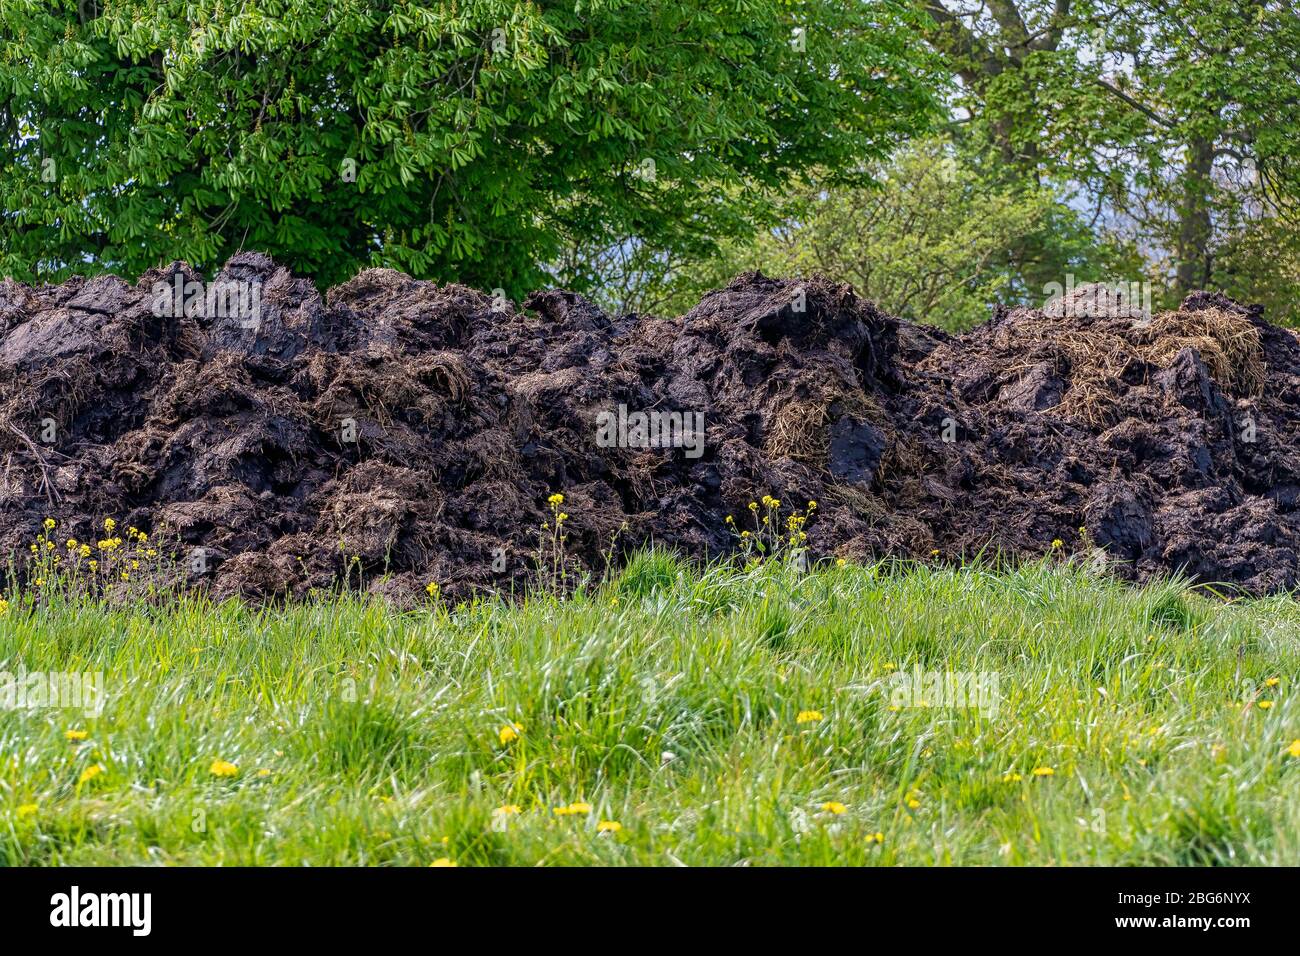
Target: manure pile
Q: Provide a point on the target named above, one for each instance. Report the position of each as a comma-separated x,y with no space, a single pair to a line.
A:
412,432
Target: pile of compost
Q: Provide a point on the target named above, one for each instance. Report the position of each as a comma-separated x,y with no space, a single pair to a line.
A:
397,432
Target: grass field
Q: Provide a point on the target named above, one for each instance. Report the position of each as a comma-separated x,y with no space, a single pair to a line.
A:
673,717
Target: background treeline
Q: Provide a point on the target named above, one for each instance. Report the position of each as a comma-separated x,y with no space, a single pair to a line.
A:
941,155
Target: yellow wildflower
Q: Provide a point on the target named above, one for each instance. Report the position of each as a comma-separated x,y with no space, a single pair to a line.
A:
808,717
432,589
442,861
1272,682
555,499
834,806
1294,749
510,732
77,734
1057,544
1044,772
1265,704
608,826
509,810
49,524
27,810
223,768
89,774
109,525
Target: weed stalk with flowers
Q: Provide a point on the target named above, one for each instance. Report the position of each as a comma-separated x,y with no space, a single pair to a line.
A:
551,558
72,567
774,536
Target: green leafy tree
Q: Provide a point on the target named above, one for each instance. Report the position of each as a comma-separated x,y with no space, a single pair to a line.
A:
932,241
1180,118
476,140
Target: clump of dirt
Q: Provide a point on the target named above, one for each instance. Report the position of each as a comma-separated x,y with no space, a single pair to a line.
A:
397,432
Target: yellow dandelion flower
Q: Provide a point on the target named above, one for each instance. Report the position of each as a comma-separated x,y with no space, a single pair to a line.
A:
223,768
580,807
1011,778
443,861
89,774
562,811
1265,704
27,810
77,734
914,803
808,717
432,589
1044,772
1272,682
834,806
509,810
876,837
608,826
1294,749
263,772
840,562
509,733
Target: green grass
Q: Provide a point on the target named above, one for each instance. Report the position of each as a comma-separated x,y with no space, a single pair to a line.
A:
668,701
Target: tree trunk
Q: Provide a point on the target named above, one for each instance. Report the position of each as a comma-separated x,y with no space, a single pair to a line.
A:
1193,250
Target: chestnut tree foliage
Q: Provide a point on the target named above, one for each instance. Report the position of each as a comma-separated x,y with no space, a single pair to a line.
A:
474,140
